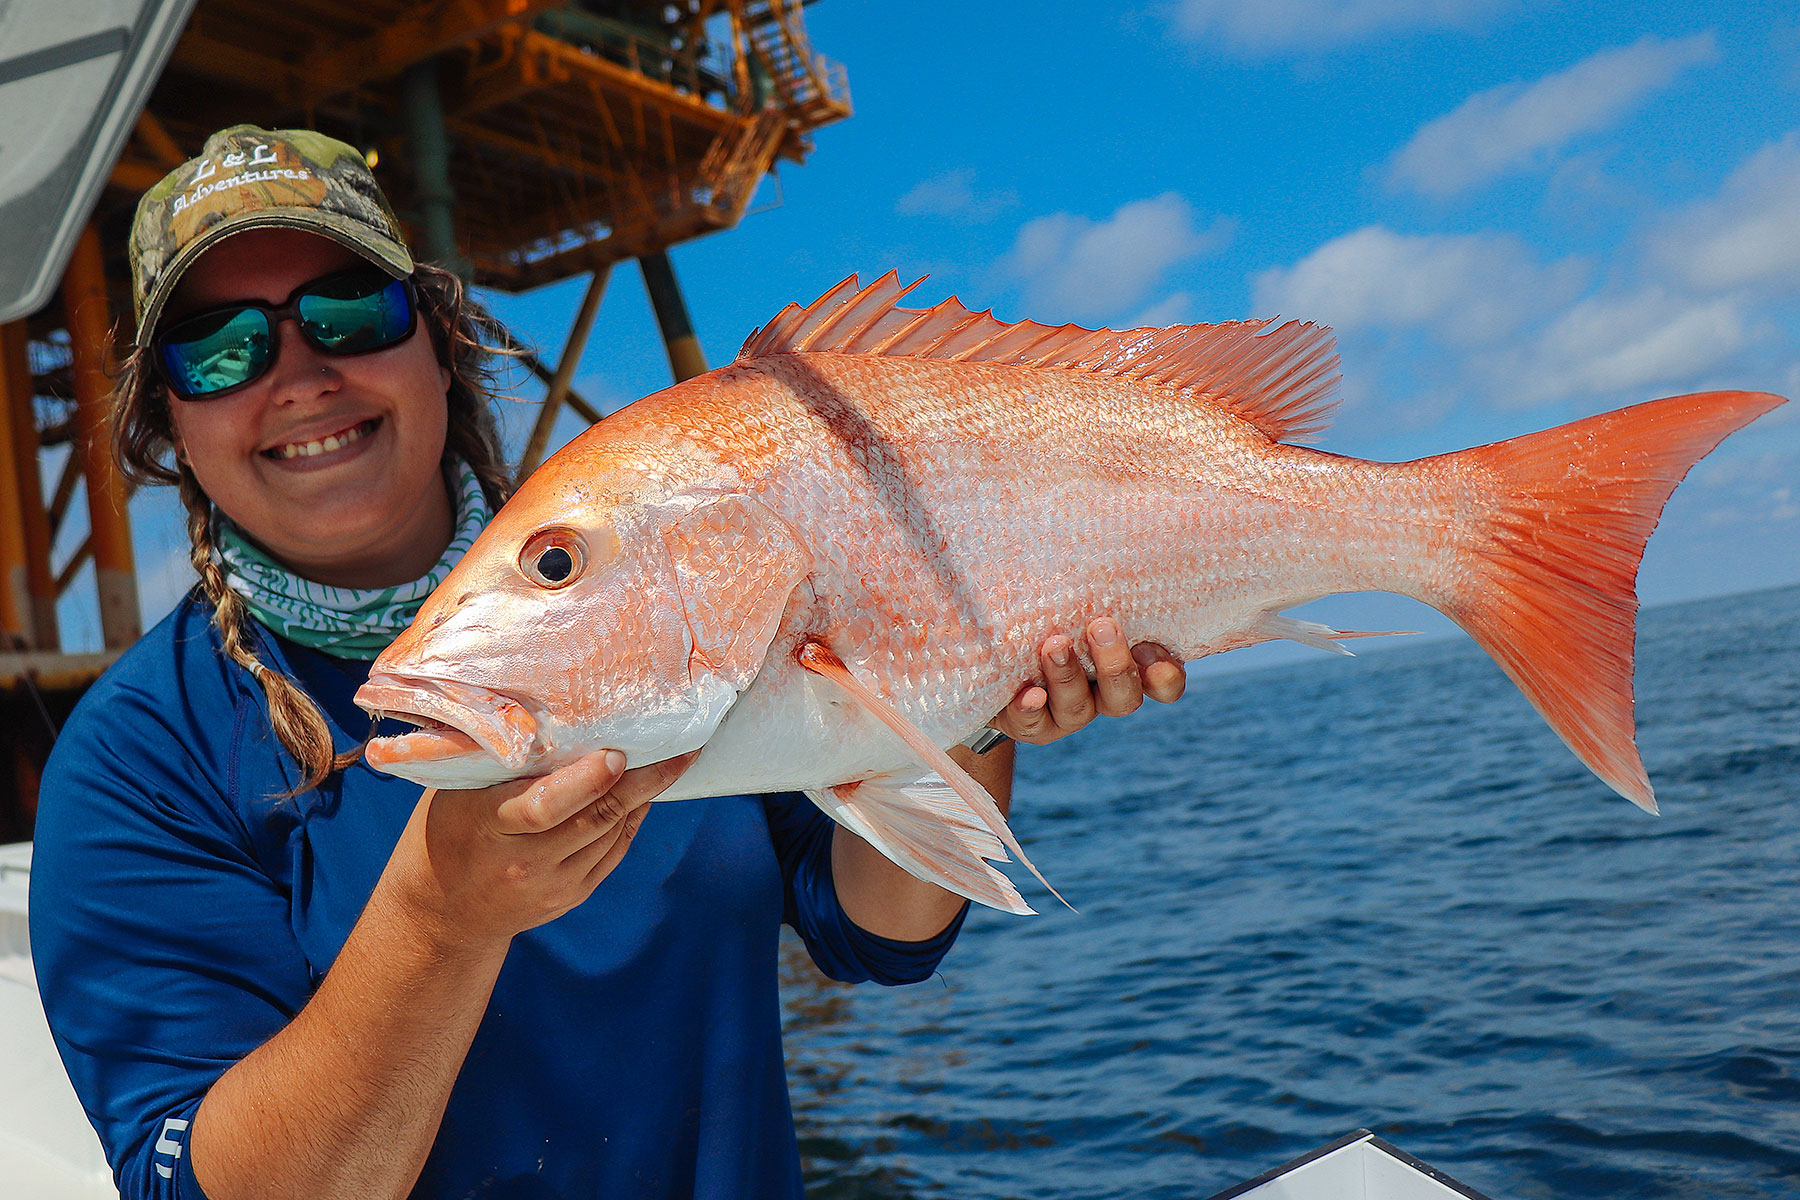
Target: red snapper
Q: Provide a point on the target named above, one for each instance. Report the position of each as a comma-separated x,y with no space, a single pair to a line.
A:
837,555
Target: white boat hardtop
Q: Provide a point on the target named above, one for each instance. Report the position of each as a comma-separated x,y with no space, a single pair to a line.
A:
48,1150
1358,1166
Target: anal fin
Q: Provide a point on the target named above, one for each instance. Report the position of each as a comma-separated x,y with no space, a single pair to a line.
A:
1274,626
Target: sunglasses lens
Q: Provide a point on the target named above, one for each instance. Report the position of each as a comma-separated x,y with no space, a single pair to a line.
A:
352,312
356,312
216,351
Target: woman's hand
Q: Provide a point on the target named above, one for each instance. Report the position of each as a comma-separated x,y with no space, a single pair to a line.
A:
486,865
1068,700
348,1098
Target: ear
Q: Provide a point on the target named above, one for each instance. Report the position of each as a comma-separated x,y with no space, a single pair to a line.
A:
736,564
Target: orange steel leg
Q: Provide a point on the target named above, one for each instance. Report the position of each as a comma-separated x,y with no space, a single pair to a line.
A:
33,586
16,625
90,337
565,372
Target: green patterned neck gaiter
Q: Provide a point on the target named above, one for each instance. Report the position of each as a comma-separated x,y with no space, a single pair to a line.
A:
343,622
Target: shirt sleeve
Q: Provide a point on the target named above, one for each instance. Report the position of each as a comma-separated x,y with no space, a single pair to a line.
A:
164,954
842,950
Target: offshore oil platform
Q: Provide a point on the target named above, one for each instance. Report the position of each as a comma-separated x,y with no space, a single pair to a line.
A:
523,142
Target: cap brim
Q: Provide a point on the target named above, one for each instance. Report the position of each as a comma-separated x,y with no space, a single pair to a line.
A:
390,255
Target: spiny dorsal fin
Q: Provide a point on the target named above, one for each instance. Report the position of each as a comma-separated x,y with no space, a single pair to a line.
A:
1281,379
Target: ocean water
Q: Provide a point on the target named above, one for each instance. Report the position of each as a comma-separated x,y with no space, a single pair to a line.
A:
1363,892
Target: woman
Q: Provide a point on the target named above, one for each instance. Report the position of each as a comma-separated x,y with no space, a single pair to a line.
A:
272,971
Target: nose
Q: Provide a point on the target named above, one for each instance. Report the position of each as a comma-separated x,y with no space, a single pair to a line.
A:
443,614
300,372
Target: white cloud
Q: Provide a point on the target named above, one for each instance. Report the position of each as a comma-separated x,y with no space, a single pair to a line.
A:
1746,490
1265,26
1520,125
1630,345
952,194
1748,234
1467,289
1074,268
1479,313
1173,309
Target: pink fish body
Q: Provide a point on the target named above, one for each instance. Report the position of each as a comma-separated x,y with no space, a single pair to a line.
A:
840,553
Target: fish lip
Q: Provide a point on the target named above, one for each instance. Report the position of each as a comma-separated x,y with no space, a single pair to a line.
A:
496,722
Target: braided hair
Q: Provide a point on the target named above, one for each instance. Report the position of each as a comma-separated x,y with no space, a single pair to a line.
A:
466,338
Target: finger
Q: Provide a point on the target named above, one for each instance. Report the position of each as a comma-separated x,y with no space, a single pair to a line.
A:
1164,679
1116,680
642,784
598,820
548,801
589,833
1027,717
1071,700
606,853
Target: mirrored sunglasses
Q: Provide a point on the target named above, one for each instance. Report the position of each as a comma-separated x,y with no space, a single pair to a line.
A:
222,349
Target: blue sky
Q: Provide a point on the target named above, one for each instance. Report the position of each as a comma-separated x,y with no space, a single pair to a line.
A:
1514,214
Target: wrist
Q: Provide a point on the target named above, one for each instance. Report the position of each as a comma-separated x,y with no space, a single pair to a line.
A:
420,913
412,898
985,739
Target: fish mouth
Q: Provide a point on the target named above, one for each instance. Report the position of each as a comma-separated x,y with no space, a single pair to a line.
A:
456,720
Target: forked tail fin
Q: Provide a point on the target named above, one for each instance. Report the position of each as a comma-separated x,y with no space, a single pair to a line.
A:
1548,584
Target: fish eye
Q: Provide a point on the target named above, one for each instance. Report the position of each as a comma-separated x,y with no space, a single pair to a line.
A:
553,558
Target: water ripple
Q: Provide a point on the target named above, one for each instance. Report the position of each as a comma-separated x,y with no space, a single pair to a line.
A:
1372,892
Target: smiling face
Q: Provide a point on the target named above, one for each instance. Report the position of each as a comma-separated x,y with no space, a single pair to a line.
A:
330,464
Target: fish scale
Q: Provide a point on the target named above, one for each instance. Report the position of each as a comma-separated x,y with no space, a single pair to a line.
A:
838,555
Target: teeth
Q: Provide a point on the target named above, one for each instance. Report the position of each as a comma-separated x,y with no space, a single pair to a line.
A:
336,441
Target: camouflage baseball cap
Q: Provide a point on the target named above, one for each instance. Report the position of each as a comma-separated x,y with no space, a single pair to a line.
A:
251,178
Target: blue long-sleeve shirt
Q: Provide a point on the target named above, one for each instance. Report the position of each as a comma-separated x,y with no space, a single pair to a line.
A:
183,911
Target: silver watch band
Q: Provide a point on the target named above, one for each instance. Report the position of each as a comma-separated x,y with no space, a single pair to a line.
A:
985,739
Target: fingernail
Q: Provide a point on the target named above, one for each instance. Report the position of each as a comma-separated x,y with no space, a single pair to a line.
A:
1059,653
615,762
1143,654
1104,632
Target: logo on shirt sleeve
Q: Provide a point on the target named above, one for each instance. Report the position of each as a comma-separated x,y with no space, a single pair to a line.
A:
168,1147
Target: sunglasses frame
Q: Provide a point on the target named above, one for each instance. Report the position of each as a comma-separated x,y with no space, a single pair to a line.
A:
287,310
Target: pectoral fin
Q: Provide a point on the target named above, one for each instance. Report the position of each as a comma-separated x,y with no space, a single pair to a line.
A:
923,825
736,564
979,806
